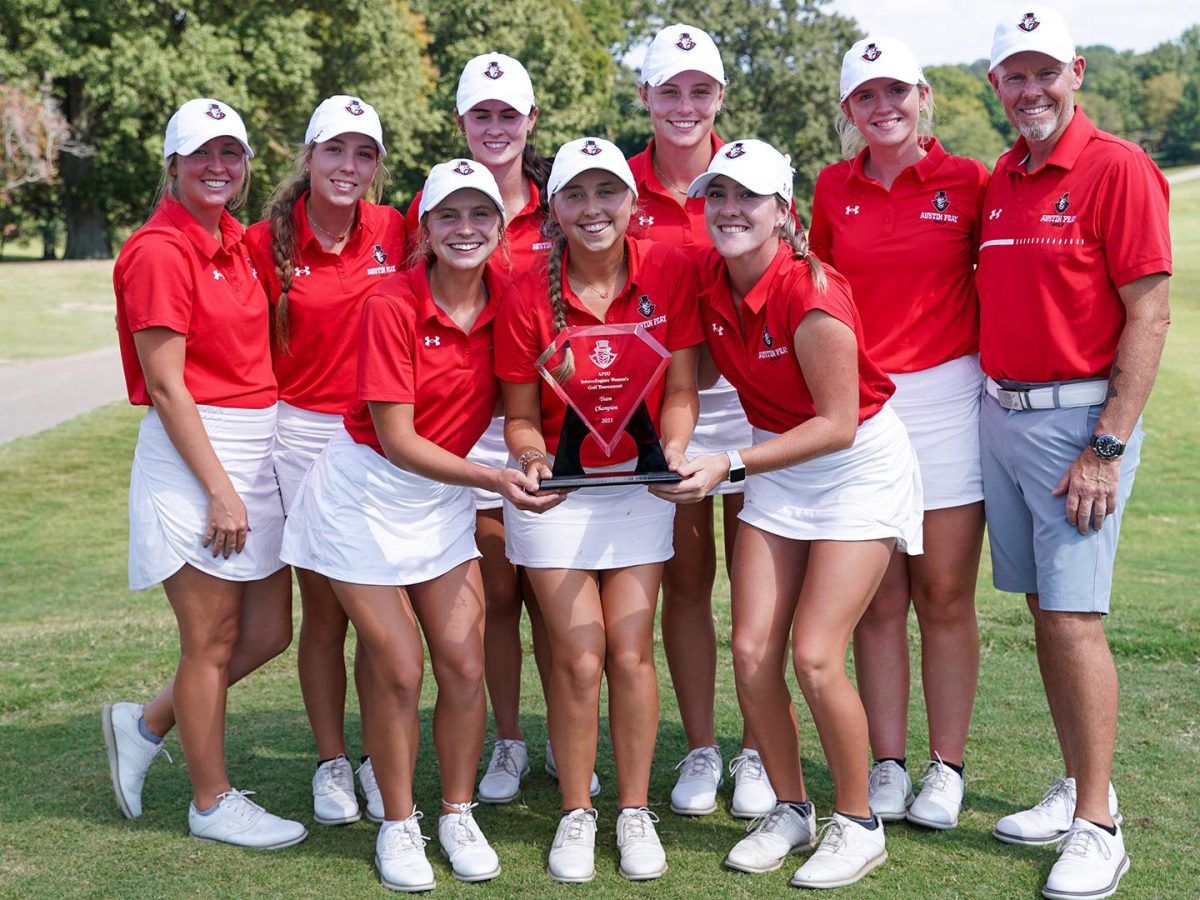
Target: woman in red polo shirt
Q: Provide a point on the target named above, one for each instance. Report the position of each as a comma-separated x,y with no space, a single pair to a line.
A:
900,218
832,489
386,514
204,512
595,562
324,244
496,113
682,88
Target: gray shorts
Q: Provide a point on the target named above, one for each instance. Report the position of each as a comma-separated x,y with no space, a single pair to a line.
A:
1034,549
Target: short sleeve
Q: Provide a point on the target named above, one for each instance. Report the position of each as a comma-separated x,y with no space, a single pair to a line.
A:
258,246
685,330
515,338
1134,219
385,351
157,286
820,232
981,186
412,225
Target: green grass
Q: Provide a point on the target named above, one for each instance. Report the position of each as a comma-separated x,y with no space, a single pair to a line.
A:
72,637
55,308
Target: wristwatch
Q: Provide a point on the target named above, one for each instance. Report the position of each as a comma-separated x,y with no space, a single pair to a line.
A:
737,468
1107,446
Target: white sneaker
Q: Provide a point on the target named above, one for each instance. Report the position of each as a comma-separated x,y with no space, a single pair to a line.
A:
240,821
552,771
889,790
129,754
753,795
370,790
400,855
1090,864
695,793
334,800
642,854
502,781
471,856
573,854
847,852
940,799
1051,819
772,837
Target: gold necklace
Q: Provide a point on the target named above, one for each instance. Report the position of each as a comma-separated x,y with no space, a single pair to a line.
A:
337,238
669,185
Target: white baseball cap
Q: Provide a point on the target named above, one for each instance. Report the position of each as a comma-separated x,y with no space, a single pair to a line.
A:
681,48
580,155
494,76
446,178
878,56
755,165
344,114
199,121
1040,29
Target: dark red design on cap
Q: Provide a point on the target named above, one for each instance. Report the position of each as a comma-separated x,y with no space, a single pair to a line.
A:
736,150
872,53
590,147
493,71
463,167
214,112
355,108
940,201
1029,22
685,42
1063,202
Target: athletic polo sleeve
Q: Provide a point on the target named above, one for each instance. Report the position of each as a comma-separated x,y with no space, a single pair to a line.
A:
412,225
258,246
1134,220
385,351
157,286
685,330
515,337
981,186
820,232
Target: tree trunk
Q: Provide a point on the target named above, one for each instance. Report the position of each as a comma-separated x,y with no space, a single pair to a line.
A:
87,224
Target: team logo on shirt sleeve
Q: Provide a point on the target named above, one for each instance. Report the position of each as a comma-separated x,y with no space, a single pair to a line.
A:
493,71
355,108
872,53
685,42
214,111
602,355
1029,22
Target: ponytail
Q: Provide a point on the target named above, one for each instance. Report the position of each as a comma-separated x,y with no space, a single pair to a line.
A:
797,239
558,304
285,244
534,167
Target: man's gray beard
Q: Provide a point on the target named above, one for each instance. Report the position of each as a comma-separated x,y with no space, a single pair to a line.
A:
1036,132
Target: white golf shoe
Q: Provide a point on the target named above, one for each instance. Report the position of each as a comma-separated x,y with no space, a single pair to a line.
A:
847,852
889,790
695,793
772,837
129,754
509,764
240,821
334,800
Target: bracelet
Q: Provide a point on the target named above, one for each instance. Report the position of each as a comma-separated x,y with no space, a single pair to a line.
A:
527,457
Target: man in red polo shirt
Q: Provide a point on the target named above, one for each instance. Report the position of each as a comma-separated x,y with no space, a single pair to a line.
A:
1074,261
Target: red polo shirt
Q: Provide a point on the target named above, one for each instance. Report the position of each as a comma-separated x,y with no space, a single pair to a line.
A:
757,355
908,253
660,217
412,352
526,246
1057,244
661,293
173,274
318,370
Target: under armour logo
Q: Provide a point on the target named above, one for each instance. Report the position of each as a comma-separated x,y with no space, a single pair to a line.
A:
217,276
433,342
994,214
852,210
645,220
301,270
718,329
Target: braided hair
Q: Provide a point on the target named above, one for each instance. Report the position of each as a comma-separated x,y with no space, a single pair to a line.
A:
797,239
558,303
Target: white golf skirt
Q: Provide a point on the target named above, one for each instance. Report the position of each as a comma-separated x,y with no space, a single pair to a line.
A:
490,450
300,436
168,509
594,528
721,426
360,519
940,410
868,491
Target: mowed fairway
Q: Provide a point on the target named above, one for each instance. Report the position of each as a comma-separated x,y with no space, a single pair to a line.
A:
73,637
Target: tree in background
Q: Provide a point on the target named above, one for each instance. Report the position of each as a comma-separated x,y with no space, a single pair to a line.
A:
962,121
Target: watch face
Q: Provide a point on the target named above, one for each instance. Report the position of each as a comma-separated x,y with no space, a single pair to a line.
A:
1107,446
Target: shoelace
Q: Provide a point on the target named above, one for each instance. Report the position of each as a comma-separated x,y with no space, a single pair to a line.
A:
240,803
337,774
463,832
881,775
577,821
638,824
1078,841
768,822
406,835
747,767
832,836
1059,792
937,776
502,758
162,751
701,763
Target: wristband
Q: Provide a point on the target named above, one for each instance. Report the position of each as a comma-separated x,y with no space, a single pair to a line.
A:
527,457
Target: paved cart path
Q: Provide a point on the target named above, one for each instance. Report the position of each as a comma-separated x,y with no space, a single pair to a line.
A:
40,394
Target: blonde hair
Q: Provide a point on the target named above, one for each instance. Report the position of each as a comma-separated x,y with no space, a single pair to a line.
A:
285,242
797,239
168,183
852,140
422,249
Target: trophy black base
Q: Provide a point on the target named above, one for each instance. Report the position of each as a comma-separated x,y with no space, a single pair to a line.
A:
581,481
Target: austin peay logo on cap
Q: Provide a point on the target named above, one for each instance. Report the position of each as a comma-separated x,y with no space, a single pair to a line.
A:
1063,202
463,167
736,150
1029,22
940,201
685,42
872,53
214,112
493,71
379,253
354,107
590,147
